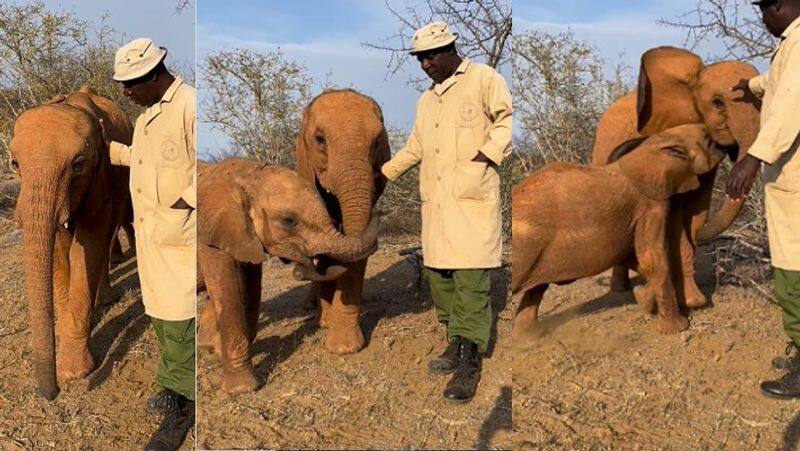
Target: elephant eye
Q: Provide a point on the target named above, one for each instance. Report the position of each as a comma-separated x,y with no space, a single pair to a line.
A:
14,166
320,138
289,221
718,103
78,164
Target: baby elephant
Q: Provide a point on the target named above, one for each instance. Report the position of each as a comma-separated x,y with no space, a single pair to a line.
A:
246,212
573,221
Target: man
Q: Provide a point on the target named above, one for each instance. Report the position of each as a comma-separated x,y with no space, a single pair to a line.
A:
776,149
461,134
162,162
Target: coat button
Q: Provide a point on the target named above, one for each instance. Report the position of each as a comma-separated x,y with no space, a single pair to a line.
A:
141,219
140,161
437,150
139,190
436,125
145,132
439,178
440,100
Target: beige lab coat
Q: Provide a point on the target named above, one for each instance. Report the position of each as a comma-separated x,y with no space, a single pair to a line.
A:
468,112
162,162
777,145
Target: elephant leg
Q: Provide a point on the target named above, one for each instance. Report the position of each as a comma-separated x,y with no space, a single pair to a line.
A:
652,252
225,283
526,320
692,295
620,279
326,292
207,331
88,257
252,284
344,333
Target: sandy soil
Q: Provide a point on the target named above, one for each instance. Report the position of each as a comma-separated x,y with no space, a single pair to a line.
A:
104,411
604,378
381,397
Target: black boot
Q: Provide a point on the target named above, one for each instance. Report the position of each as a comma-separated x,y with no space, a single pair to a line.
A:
462,386
173,428
788,361
163,401
787,387
447,362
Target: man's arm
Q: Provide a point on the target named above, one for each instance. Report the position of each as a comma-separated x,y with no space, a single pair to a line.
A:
406,158
497,101
119,154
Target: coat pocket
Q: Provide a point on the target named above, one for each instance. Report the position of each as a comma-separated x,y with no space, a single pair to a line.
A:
174,227
468,183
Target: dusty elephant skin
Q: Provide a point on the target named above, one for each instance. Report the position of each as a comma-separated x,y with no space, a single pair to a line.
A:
246,212
676,88
71,203
617,211
341,147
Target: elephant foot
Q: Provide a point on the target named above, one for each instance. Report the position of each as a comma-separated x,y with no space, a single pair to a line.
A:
324,314
672,324
344,339
694,298
238,382
645,298
73,365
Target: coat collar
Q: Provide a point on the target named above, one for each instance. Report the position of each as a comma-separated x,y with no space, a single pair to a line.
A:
169,94
451,80
791,28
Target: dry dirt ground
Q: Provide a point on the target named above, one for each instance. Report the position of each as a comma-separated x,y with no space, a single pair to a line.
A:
381,397
104,411
604,378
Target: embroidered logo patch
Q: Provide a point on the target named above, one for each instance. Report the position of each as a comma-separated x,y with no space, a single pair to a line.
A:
169,151
469,111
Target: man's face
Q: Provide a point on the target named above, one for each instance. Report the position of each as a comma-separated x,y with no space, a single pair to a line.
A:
436,63
142,91
771,16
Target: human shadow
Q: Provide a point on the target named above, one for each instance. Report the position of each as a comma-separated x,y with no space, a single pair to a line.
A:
111,343
499,418
791,435
388,294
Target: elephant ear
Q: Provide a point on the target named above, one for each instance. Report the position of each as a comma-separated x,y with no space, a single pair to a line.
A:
625,148
223,221
658,172
664,95
302,150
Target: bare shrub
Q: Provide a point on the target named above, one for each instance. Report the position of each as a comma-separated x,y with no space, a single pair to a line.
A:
256,99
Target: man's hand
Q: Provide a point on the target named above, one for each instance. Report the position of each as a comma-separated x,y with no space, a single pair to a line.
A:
481,158
742,177
181,204
747,95
104,134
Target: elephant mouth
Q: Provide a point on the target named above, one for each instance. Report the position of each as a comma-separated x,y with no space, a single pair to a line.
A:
732,151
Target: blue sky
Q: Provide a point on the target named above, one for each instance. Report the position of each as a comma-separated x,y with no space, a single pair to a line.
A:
155,19
325,36
619,29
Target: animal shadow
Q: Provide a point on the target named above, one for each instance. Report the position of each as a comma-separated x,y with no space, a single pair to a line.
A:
111,343
791,435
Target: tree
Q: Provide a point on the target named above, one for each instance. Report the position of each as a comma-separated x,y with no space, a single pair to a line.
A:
735,23
484,28
256,99
561,88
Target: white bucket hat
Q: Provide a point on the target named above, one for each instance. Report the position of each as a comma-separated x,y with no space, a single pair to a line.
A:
137,58
432,36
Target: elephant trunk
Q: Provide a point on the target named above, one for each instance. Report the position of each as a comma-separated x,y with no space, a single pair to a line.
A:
349,248
39,230
743,122
355,190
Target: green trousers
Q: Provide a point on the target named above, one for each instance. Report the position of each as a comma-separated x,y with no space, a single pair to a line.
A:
787,290
461,299
176,355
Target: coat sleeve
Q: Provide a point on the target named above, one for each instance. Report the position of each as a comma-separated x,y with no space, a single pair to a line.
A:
756,84
407,157
782,125
189,195
119,154
497,104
